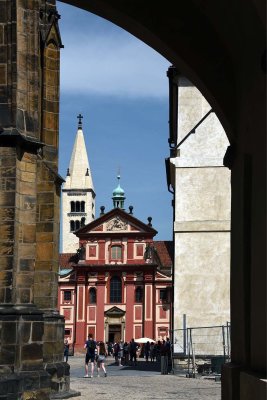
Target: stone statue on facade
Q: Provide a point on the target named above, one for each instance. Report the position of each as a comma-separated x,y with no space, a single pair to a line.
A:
81,253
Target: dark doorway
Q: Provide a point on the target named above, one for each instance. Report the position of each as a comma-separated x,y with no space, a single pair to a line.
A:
114,333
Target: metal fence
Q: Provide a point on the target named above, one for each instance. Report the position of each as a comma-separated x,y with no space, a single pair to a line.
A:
204,348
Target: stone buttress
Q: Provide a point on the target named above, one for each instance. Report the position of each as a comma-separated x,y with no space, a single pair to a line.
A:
32,331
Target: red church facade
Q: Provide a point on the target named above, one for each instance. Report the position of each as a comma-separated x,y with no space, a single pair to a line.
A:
118,285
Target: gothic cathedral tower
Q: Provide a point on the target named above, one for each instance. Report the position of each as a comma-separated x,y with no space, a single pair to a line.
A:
78,196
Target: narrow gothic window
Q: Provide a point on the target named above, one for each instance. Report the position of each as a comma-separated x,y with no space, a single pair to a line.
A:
72,206
138,295
82,206
82,221
116,253
92,296
78,208
115,290
77,225
72,226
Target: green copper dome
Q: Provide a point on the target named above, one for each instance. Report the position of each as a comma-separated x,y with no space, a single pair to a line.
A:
118,195
118,191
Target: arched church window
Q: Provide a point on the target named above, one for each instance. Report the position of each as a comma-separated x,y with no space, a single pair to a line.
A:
72,226
82,221
82,206
78,206
116,253
77,225
72,206
115,289
92,296
138,295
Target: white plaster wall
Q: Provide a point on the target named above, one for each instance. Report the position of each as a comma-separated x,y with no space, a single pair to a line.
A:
207,146
202,279
202,194
202,217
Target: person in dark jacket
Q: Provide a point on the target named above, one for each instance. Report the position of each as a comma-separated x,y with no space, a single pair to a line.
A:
132,349
147,350
66,350
164,357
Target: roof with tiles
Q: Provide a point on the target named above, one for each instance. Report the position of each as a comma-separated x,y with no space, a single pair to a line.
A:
164,250
66,260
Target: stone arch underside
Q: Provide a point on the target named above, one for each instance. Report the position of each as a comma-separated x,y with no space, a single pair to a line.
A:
204,40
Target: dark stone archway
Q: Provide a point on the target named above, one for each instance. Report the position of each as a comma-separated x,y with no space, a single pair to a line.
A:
220,47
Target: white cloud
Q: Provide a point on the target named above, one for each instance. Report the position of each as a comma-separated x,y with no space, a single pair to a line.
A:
112,64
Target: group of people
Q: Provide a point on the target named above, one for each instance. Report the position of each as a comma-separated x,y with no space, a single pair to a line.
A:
123,352
155,351
126,353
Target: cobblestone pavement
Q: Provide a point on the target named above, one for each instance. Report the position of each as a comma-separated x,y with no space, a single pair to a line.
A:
141,382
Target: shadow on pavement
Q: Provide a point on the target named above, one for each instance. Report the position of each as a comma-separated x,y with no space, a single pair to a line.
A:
140,366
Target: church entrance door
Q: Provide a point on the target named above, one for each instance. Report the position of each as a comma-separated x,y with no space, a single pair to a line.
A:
114,333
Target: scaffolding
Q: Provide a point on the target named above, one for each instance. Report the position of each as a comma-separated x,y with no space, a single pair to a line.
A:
206,349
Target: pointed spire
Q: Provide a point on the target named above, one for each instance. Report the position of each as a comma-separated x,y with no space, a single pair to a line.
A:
79,172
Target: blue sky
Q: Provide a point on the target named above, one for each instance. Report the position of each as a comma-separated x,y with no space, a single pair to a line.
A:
119,84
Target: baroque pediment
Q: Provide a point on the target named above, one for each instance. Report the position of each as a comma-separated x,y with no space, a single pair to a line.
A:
114,312
115,221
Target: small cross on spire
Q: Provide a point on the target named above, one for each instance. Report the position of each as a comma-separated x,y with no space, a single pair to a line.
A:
80,117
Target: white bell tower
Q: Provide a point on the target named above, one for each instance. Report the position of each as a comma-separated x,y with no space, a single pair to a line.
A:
78,195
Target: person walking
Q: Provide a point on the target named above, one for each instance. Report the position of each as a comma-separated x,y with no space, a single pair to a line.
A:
169,353
116,351
101,358
126,353
158,350
66,350
133,348
152,352
90,346
147,350
109,345
120,355
163,359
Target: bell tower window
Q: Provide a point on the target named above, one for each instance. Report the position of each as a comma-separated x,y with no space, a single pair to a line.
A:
72,206
72,226
82,206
